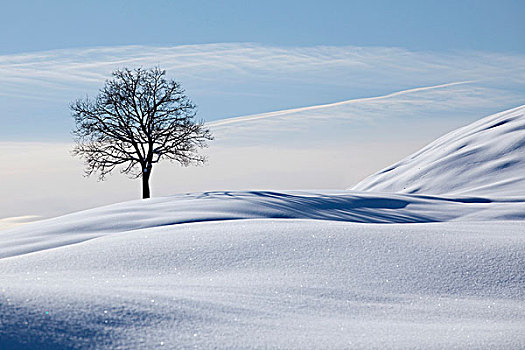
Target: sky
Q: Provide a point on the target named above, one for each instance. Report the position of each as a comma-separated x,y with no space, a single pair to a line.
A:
32,25
299,94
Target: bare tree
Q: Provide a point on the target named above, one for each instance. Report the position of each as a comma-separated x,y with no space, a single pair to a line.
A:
137,119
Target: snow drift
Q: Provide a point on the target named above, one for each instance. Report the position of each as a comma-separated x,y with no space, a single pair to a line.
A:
439,265
484,158
237,205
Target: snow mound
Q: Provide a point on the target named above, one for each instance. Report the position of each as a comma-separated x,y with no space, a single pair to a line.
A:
272,283
236,205
484,158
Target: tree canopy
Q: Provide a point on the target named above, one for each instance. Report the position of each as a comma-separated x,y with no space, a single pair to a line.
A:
138,119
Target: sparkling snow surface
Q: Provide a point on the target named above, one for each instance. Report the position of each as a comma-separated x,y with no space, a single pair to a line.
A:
292,269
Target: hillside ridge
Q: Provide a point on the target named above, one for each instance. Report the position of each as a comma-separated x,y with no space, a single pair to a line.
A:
484,158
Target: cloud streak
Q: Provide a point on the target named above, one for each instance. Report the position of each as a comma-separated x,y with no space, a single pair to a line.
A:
235,120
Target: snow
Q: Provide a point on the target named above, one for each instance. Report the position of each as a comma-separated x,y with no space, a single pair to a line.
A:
440,267
274,283
236,205
483,158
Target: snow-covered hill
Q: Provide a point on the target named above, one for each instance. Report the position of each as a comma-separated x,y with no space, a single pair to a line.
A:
237,205
484,158
289,269
272,283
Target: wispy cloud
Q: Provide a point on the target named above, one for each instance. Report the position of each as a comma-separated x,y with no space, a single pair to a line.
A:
352,67
330,106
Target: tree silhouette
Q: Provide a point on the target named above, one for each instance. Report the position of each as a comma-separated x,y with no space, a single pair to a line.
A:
138,119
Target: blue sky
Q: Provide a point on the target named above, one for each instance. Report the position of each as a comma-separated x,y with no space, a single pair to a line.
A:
412,24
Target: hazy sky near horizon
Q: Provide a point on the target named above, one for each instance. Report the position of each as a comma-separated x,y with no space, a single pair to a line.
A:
322,93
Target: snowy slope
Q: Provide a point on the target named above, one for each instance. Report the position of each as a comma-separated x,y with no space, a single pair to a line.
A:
484,158
294,270
294,284
236,205
288,269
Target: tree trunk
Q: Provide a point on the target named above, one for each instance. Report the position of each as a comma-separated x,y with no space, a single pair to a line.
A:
145,184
